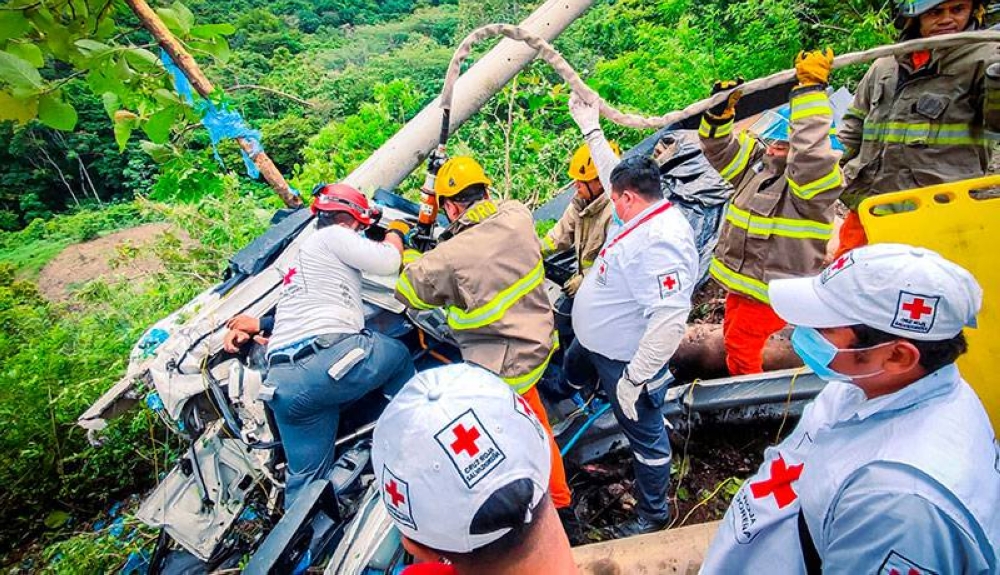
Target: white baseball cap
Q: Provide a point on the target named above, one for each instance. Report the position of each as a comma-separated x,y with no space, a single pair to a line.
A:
899,289
460,459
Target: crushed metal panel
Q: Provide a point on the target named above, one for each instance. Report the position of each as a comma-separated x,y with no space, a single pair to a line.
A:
176,503
371,540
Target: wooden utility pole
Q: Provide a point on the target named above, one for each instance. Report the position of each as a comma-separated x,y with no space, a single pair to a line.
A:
190,68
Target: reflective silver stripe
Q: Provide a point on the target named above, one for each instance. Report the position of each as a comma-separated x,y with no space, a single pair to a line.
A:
659,461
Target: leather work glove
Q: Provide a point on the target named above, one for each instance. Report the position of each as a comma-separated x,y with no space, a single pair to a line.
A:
726,109
814,67
572,285
628,393
586,115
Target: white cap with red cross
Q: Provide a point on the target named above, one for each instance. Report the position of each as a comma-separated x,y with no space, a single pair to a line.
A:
447,451
899,289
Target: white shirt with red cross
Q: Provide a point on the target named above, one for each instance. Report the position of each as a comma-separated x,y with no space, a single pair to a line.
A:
645,266
903,484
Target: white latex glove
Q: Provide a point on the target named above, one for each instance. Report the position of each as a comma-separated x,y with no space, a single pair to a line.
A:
628,396
587,116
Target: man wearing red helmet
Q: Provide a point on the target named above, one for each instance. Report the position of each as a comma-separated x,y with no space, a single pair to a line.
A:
320,356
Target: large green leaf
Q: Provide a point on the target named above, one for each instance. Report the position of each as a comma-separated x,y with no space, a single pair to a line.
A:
28,52
111,103
13,24
18,72
21,110
56,113
158,125
159,153
209,31
184,16
172,21
125,122
217,47
142,59
92,48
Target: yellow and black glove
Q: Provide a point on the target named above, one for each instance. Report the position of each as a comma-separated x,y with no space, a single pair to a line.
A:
399,227
812,68
726,110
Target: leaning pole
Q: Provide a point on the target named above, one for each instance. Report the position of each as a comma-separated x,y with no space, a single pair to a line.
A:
409,147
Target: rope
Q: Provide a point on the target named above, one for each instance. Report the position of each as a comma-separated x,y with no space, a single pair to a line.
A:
549,54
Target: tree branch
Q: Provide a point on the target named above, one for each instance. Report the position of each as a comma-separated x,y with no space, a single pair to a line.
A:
260,88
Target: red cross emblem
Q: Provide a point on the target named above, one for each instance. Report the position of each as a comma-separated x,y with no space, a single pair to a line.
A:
669,284
465,440
780,483
469,445
915,312
842,263
917,308
392,490
287,279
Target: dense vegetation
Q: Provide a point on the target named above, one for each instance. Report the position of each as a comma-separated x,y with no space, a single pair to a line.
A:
326,81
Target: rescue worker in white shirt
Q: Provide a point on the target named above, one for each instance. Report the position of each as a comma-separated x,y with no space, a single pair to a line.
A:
583,226
320,356
894,467
631,313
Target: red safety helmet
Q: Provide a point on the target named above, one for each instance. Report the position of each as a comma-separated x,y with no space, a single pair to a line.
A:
344,198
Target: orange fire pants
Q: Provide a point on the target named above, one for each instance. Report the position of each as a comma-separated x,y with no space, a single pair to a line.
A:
745,329
852,234
558,487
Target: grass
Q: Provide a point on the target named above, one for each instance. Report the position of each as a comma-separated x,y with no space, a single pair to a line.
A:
29,258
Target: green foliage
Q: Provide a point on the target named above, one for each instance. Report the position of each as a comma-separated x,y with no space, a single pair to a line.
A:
55,360
97,552
341,146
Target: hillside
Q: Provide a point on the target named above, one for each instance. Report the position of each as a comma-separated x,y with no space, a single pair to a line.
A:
326,82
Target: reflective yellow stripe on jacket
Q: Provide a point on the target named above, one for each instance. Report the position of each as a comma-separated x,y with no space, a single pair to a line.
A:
834,179
784,227
405,287
738,282
922,133
810,104
742,159
494,309
523,383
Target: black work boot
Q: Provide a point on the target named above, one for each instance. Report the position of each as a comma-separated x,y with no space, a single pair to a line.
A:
571,525
638,526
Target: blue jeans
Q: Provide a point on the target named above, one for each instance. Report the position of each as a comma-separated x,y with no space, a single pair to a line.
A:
647,437
307,401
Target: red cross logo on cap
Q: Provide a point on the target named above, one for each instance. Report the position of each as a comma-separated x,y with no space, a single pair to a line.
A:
840,264
780,483
392,490
911,571
915,312
287,279
917,308
465,440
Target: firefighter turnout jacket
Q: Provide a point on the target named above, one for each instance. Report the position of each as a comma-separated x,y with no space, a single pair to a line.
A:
780,218
912,128
488,273
583,226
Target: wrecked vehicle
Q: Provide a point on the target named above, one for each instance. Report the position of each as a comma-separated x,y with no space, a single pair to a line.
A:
222,501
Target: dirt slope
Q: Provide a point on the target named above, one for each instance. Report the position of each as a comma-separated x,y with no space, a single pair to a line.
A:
104,258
